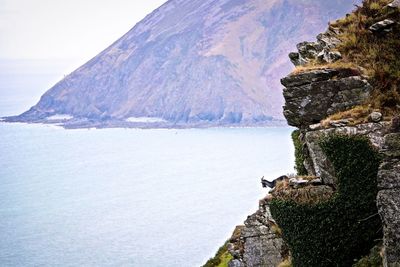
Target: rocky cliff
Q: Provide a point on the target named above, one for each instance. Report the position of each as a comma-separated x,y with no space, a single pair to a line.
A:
344,202
190,63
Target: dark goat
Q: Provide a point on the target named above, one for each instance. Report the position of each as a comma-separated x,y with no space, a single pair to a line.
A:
265,183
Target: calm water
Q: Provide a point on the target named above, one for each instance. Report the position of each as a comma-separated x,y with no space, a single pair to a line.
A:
122,197
129,197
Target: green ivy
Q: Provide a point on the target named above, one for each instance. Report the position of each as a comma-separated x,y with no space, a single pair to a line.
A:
336,232
298,153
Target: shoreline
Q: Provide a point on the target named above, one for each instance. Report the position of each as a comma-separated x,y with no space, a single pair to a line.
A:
75,125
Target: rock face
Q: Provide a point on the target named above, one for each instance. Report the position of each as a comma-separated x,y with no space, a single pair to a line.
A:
314,95
389,198
191,62
258,244
321,165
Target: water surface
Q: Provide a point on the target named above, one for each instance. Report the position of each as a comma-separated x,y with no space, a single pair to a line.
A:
127,197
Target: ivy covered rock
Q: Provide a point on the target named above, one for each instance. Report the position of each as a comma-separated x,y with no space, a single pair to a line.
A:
336,231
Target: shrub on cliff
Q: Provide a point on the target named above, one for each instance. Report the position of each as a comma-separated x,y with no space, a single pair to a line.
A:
337,231
301,170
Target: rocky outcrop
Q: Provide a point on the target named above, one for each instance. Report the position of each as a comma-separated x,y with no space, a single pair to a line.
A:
322,50
257,243
389,198
313,95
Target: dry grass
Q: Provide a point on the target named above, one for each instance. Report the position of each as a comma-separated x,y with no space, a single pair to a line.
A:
305,195
318,66
286,263
377,55
356,115
276,229
236,233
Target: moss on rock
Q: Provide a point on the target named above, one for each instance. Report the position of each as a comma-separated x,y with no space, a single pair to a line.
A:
299,158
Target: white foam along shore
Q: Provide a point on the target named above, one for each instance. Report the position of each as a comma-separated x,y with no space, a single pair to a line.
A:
145,120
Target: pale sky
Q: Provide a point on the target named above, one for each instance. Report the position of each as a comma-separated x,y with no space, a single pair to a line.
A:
73,30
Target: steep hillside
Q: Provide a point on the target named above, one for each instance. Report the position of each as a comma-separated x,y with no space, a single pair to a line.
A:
190,63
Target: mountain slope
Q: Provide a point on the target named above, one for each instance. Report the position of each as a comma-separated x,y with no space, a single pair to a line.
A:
191,62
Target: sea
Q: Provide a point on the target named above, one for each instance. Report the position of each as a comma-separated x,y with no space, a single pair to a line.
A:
124,197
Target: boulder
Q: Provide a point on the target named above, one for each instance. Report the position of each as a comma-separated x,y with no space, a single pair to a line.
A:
314,95
375,117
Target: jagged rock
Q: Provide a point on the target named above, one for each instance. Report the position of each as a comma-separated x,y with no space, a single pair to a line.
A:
389,210
394,4
314,95
375,117
329,38
321,49
328,56
382,26
257,243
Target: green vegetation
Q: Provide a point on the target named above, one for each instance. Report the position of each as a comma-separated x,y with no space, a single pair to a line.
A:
221,259
376,54
374,259
301,170
343,228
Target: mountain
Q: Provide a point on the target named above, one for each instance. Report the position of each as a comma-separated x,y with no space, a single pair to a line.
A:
190,63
